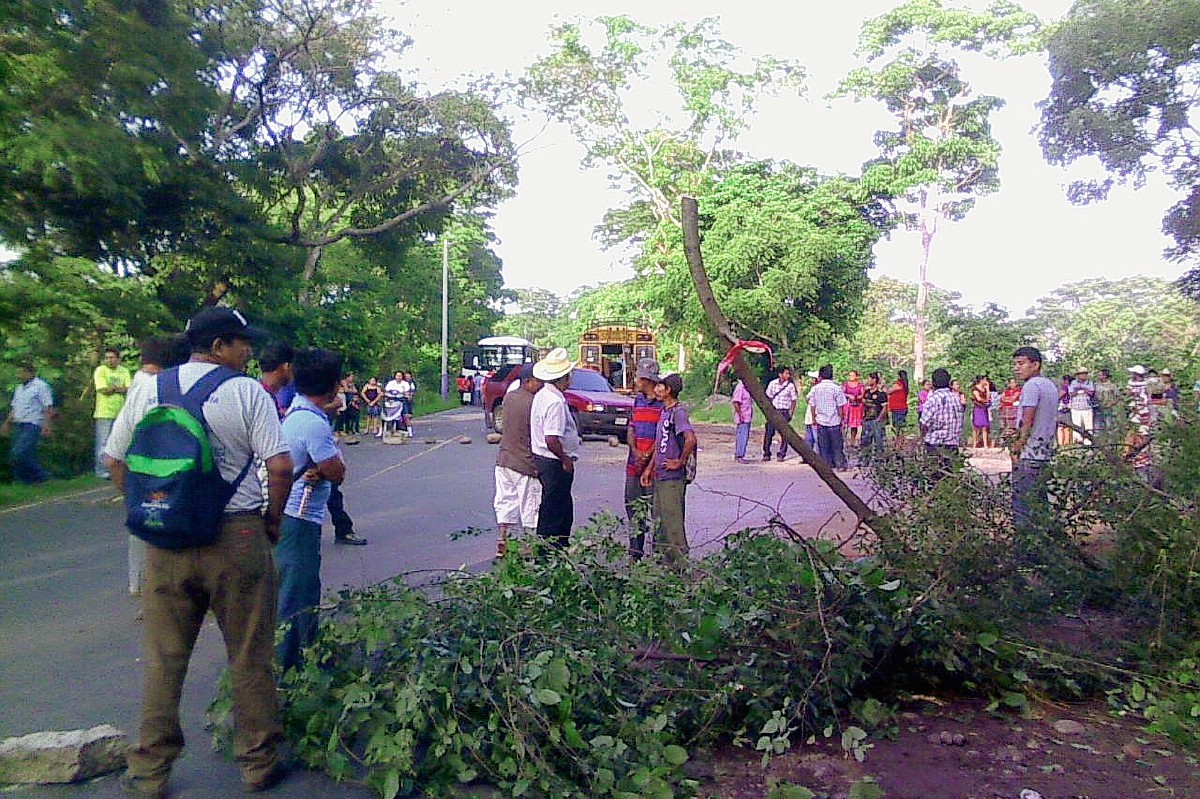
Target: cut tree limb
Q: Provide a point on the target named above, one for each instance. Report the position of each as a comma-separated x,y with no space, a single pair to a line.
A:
691,246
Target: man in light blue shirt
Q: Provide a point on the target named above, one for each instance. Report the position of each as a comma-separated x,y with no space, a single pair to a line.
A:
319,466
30,415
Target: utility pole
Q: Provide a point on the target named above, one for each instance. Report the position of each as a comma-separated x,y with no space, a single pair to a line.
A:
445,316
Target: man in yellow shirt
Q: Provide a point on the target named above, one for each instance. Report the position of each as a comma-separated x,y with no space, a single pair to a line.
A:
111,381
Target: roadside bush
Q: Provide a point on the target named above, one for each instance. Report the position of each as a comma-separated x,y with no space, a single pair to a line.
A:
573,673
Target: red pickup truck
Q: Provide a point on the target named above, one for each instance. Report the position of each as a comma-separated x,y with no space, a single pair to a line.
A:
597,408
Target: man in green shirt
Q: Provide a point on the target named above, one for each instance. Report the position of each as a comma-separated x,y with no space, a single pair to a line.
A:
111,381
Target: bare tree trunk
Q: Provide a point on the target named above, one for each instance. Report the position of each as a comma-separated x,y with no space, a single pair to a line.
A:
928,223
691,246
311,259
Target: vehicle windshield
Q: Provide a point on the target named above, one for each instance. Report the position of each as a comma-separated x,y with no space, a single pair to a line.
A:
587,380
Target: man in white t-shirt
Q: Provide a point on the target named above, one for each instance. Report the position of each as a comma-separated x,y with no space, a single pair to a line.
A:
1037,421
554,439
234,577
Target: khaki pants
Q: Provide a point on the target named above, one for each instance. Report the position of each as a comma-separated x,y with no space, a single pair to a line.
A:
235,578
669,511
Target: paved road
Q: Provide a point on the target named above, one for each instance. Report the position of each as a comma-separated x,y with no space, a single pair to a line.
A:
69,641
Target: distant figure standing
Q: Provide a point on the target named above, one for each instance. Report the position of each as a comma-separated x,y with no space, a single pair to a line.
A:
111,380
477,389
981,402
29,416
1034,444
853,412
518,493
555,441
1081,403
874,419
898,405
828,403
1008,407
783,396
941,423
639,437
675,442
743,416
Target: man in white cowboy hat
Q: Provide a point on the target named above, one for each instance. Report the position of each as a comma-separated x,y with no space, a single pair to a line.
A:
1082,400
554,439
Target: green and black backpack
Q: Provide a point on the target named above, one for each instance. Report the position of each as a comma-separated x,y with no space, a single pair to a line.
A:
174,493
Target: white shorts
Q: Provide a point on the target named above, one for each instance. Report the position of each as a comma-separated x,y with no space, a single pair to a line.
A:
517,498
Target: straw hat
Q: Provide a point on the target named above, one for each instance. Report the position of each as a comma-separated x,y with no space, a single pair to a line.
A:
555,365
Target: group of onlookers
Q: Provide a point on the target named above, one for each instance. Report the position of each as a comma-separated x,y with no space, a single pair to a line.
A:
855,412
539,448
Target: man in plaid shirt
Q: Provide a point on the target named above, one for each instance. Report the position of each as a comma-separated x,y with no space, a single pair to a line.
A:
942,421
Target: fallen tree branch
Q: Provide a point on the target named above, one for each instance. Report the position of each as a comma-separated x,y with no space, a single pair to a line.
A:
691,246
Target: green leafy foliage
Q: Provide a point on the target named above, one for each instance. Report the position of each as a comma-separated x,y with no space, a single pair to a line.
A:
1124,90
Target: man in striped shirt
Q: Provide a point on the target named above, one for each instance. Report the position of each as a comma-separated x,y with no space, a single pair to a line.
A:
640,438
942,421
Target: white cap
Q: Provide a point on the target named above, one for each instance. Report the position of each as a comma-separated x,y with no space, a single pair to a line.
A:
1138,369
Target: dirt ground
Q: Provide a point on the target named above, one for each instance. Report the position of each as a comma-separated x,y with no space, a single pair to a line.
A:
936,748
955,749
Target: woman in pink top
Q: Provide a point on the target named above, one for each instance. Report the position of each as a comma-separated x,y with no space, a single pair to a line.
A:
854,390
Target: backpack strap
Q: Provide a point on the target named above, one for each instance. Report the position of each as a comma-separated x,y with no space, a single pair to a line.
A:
170,393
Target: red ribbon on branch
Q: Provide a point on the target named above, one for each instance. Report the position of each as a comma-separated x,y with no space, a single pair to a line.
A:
753,347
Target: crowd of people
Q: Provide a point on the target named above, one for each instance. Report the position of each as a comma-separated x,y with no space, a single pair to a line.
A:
539,449
854,414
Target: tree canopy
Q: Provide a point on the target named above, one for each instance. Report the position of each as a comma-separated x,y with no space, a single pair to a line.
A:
1124,90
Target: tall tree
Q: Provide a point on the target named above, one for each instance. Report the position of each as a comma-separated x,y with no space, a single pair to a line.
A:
656,156
1125,90
342,146
942,154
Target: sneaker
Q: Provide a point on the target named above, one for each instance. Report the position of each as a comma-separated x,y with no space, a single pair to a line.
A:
766,457
350,539
278,773
141,787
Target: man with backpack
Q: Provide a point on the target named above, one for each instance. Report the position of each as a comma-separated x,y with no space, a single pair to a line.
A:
182,451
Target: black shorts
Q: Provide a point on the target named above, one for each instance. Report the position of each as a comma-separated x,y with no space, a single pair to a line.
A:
899,419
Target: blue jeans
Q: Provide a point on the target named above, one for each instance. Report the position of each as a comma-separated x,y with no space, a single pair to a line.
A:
829,443
1028,490
872,440
103,429
769,436
740,439
23,454
298,558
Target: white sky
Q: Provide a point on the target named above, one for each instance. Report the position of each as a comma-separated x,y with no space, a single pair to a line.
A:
1013,248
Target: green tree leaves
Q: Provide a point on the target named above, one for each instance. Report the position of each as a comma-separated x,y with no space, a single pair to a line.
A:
1124,91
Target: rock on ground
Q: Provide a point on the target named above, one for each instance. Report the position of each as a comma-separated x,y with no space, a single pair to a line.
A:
56,757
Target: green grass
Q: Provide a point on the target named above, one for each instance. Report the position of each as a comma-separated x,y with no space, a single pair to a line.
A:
424,404
20,494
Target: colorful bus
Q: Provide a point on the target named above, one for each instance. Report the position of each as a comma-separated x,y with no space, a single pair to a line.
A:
613,349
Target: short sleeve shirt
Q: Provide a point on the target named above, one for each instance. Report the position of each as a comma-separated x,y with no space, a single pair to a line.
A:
1041,394
942,418
307,432
644,421
783,394
550,416
31,400
874,401
241,415
827,400
669,435
515,447
742,397
109,405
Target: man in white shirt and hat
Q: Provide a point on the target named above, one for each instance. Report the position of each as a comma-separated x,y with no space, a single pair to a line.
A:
554,439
